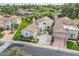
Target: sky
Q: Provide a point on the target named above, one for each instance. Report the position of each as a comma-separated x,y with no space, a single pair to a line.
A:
32,3
53,2
38,2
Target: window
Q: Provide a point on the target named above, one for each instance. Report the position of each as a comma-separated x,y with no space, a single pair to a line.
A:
72,35
40,30
44,23
26,34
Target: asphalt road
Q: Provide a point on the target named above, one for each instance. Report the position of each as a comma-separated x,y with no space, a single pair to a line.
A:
37,51
1,43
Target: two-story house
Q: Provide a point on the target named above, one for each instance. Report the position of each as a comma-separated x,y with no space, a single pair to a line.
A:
38,30
8,22
64,29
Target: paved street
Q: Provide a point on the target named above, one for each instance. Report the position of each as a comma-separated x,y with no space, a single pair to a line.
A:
37,51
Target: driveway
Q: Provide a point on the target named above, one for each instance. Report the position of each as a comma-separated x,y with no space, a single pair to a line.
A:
59,42
7,35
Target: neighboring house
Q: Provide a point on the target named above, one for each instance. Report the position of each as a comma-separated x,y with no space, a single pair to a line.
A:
24,11
31,30
39,26
2,21
44,23
9,22
37,29
64,29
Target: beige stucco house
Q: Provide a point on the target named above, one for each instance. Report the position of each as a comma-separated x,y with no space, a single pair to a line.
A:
64,29
7,22
38,30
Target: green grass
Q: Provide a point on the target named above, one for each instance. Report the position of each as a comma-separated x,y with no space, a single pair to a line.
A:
71,45
1,35
20,27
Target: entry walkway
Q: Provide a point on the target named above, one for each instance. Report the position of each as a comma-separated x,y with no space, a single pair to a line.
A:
7,35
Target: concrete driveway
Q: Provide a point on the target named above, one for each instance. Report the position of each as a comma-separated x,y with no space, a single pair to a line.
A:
7,35
59,42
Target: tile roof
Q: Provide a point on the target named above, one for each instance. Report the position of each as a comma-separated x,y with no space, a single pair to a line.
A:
5,19
34,26
58,27
13,18
44,18
76,21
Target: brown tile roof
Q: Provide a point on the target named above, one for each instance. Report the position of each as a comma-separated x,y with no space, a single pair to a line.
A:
32,28
1,23
66,20
12,18
76,21
45,18
4,19
58,27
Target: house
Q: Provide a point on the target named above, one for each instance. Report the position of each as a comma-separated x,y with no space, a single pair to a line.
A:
24,11
9,22
39,26
64,29
2,21
66,26
31,30
38,30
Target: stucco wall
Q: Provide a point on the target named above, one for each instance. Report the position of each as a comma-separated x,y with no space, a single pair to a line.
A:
74,32
60,35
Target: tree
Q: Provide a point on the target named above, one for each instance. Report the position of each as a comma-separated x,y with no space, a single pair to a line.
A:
15,51
70,10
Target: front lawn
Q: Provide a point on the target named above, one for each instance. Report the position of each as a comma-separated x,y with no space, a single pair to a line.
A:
71,45
20,27
1,35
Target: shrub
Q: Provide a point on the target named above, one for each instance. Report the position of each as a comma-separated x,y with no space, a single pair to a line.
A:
1,29
16,51
72,46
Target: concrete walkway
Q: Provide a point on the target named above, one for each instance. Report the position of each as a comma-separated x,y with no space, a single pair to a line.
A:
7,35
